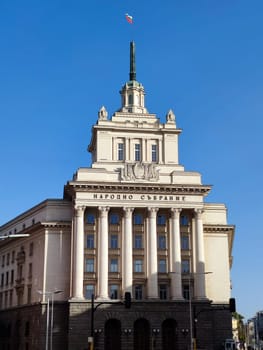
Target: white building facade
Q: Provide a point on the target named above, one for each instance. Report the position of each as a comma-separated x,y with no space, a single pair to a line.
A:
135,221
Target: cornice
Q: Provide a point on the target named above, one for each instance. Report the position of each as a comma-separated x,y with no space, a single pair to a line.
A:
218,228
72,187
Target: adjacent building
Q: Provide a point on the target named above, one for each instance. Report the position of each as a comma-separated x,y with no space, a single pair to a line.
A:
134,221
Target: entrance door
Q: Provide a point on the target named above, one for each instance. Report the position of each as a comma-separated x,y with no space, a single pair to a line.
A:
141,334
169,334
112,335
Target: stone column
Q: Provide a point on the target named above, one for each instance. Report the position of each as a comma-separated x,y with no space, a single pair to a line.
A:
152,255
127,250
200,291
176,277
78,253
103,254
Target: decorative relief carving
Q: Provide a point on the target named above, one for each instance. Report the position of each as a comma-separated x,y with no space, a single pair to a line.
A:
140,171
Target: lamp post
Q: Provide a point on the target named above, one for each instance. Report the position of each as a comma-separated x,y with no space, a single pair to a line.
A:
193,338
49,337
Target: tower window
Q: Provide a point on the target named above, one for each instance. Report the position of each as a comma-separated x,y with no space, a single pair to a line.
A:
130,99
120,151
137,155
154,153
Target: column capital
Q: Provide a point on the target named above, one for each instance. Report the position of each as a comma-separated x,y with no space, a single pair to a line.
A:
128,211
152,211
175,212
198,212
79,209
103,211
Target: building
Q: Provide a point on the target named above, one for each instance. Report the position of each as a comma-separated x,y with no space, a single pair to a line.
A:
254,332
136,222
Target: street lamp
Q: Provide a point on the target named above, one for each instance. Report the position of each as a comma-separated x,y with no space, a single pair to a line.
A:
193,339
48,294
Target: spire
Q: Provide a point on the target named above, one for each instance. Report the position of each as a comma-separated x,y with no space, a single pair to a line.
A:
132,61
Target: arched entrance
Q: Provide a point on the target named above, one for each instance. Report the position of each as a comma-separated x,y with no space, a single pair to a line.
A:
169,339
112,335
141,335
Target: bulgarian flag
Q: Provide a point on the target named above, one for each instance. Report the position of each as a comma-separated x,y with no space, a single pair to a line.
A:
129,18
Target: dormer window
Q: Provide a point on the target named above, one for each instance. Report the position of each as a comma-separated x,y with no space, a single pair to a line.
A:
120,151
137,152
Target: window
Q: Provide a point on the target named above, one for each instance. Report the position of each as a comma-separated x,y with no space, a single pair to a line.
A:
31,249
12,277
3,260
161,241
114,291
138,292
186,293
10,298
120,151
30,270
137,154
2,279
89,290
27,329
130,99
13,257
185,242
29,290
137,219
114,265
90,219
184,220
6,278
90,241
161,220
7,259
114,241
138,242
90,265
162,266
163,291
138,265
185,266
154,153
114,219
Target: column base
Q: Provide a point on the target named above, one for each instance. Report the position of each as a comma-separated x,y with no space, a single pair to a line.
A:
76,299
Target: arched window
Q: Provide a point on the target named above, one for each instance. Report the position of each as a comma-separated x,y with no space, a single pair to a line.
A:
169,338
137,219
90,218
141,335
112,335
114,219
161,220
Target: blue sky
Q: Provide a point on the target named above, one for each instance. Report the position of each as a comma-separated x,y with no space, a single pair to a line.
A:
60,61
